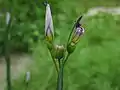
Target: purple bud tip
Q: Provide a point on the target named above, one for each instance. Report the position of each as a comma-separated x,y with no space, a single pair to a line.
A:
79,31
79,19
78,22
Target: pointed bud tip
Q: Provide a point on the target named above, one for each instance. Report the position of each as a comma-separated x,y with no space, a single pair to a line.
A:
7,18
45,3
28,76
78,20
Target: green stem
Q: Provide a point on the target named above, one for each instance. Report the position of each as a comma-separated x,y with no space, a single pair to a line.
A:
7,55
26,86
8,71
56,66
59,63
66,59
60,74
55,63
60,77
70,34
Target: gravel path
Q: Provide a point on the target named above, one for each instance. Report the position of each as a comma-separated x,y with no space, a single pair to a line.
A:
96,10
19,63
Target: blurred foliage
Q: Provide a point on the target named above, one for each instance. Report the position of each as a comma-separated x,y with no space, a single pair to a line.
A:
93,66
28,24
95,63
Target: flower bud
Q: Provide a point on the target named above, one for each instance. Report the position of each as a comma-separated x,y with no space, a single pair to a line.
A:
27,77
71,47
78,30
59,52
8,18
76,35
49,32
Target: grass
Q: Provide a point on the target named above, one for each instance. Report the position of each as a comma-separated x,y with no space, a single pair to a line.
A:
95,63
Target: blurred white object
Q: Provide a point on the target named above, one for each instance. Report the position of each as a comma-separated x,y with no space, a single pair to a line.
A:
28,76
96,10
7,18
48,20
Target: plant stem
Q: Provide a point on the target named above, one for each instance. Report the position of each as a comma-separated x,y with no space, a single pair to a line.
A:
70,34
7,55
60,77
60,74
59,63
26,86
66,59
56,66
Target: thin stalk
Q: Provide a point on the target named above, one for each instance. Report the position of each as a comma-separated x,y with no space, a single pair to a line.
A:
60,74
60,77
70,34
59,63
26,86
27,80
56,66
7,55
66,59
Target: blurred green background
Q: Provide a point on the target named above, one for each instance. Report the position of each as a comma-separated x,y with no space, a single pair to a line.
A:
95,63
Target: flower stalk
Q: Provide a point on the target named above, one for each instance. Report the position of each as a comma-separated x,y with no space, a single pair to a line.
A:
60,53
27,79
49,33
7,50
60,77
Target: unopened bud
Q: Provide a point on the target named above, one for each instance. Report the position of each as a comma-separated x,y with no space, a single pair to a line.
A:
71,47
49,32
75,36
27,77
7,18
59,51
